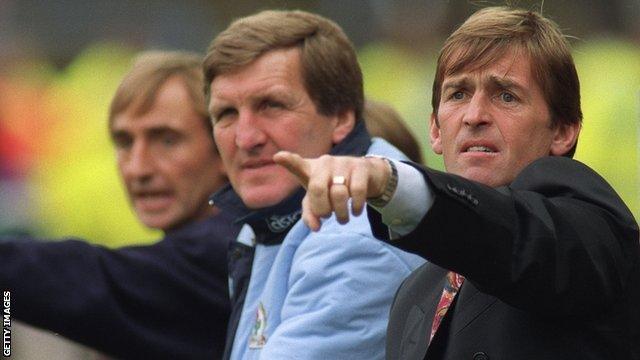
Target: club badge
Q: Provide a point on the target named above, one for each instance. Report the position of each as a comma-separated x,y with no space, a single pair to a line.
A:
258,338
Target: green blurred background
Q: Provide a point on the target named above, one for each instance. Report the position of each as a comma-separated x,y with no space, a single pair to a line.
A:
61,62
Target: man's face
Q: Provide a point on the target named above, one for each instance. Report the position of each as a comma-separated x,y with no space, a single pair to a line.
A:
167,160
260,109
494,121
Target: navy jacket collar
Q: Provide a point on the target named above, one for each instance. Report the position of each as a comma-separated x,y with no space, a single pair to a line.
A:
194,229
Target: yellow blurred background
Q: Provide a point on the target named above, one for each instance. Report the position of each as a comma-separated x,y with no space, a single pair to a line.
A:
57,168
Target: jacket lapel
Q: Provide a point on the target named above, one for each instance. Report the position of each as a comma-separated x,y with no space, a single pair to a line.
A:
470,304
467,306
426,289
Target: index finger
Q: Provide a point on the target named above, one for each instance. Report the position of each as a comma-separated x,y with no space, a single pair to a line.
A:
295,164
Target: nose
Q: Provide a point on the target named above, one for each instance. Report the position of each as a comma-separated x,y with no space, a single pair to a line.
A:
138,163
477,112
249,132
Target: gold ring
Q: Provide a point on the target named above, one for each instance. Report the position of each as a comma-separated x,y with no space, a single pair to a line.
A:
339,180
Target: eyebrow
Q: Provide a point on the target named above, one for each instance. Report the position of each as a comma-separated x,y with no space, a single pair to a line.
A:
456,84
215,106
152,131
257,97
504,83
497,81
161,130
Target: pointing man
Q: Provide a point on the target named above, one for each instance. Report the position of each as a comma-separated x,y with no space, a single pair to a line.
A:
289,80
531,255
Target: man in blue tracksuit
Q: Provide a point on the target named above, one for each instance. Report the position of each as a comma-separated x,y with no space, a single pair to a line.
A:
168,300
289,80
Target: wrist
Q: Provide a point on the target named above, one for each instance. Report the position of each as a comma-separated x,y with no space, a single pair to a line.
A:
387,186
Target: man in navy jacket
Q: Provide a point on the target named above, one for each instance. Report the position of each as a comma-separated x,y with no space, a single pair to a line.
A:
167,300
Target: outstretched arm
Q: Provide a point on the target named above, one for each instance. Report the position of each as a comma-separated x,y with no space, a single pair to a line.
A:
162,301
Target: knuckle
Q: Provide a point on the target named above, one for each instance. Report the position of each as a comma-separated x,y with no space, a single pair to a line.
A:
339,193
324,158
315,190
358,188
322,210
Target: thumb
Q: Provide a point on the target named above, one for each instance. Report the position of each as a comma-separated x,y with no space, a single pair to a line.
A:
295,164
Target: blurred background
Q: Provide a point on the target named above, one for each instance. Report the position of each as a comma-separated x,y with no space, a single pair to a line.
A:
60,62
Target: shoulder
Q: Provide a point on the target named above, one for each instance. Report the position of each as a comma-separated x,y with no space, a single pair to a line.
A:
563,179
559,172
382,147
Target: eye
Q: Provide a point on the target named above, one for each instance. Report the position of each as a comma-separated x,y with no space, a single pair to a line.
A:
122,141
458,95
223,113
169,139
166,137
271,104
507,97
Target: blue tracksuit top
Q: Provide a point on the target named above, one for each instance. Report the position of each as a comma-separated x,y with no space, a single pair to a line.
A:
323,295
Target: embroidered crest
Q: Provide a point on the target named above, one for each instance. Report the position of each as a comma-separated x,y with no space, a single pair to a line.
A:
279,224
258,338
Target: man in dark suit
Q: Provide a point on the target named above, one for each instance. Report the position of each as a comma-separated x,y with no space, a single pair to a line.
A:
531,255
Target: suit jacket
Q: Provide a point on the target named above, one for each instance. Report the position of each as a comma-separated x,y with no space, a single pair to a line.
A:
551,265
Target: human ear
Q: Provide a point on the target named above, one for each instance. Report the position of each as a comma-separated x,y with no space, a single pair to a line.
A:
345,122
434,134
564,138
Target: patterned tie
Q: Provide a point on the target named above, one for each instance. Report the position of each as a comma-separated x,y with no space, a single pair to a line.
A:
454,281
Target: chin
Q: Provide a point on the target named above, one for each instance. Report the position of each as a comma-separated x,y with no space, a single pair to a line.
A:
260,202
484,177
157,222
157,225
259,198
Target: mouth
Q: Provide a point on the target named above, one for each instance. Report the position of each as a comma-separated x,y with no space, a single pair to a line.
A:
256,164
479,148
152,201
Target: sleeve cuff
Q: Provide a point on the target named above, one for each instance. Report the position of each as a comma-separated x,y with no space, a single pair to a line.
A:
410,202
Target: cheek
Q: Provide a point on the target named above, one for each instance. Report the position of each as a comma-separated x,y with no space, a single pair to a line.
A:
529,142
224,141
286,138
446,140
311,141
122,164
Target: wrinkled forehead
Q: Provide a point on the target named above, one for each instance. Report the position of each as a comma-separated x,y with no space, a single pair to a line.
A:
187,123
139,99
155,120
476,56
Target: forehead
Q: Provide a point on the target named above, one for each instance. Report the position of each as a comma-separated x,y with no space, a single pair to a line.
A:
279,68
172,107
470,56
513,66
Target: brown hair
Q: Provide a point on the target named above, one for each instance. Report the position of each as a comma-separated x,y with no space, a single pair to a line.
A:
330,69
150,70
491,32
383,121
